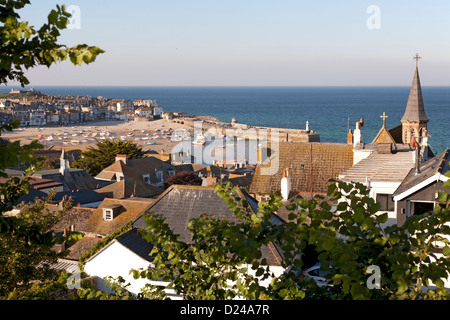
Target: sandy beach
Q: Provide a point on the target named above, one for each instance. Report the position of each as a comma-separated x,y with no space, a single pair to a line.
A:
149,135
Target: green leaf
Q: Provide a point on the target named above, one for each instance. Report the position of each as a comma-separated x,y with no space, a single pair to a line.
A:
442,197
382,218
359,214
446,251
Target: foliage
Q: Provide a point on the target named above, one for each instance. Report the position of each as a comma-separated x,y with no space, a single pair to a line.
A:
24,262
48,289
24,47
224,259
49,164
95,159
183,178
25,240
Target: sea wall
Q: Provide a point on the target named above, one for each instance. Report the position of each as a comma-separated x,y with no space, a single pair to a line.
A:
248,132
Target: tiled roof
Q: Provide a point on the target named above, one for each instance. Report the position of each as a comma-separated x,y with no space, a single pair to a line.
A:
76,216
392,167
129,211
179,204
80,247
319,161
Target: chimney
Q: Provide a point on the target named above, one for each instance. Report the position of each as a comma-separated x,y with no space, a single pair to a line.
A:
415,145
350,137
285,184
121,157
357,136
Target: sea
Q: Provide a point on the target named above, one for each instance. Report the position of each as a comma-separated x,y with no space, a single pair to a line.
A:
329,111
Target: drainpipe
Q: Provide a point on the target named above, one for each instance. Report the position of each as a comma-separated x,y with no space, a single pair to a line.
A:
414,144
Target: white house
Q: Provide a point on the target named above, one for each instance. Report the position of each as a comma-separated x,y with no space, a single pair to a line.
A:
143,112
124,253
157,112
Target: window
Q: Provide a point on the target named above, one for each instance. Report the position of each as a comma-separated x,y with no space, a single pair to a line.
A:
146,178
421,207
386,202
171,172
159,176
107,214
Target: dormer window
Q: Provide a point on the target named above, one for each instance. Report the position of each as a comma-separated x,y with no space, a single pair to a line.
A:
146,178
159,176
108,214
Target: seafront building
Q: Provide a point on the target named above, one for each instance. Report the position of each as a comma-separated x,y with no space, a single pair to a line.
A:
37,109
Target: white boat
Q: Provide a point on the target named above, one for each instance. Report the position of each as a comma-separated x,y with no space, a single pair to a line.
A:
198,142
175,138
200,138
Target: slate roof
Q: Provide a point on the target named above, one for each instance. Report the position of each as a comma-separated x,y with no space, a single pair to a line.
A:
129,187
133,241
77,179
181,203
321,161
438,164
396,133
79,196
32,195
200,168
135,168
130,210
415,110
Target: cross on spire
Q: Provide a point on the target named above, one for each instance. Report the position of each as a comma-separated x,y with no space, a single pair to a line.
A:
384,116
417,58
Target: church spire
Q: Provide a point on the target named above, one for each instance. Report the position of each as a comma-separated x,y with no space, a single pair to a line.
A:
414,119
415,110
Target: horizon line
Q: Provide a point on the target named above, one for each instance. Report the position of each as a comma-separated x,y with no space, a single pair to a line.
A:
216,86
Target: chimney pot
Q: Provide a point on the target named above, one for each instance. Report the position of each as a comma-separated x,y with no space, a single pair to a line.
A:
122,157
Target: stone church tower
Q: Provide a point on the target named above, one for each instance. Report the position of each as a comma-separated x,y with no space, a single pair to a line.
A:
414,120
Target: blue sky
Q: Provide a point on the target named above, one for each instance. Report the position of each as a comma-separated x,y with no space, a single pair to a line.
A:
252,42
